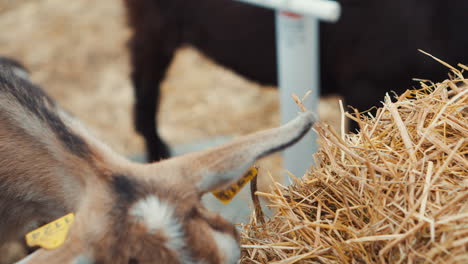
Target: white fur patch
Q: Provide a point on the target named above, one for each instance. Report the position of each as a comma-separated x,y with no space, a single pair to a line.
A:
158,216
228,247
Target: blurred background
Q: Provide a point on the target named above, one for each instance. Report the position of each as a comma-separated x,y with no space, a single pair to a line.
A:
77,51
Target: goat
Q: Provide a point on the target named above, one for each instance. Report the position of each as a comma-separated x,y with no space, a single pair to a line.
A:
125,212
369,52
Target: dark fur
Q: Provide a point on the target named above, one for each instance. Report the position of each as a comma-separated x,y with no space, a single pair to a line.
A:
125,188
370,51
33,98
11,63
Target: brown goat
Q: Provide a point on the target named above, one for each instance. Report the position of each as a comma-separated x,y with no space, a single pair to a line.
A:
125,212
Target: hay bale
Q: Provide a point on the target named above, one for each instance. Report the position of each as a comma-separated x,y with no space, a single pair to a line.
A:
394,193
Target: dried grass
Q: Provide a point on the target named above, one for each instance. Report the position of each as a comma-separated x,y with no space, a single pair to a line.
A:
394,193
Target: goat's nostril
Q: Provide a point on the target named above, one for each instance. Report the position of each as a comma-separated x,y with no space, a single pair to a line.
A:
133,261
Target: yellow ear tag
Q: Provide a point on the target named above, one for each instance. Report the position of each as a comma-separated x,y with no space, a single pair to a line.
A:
51,235
227,194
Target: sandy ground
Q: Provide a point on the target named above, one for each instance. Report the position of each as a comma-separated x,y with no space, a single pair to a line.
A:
76,50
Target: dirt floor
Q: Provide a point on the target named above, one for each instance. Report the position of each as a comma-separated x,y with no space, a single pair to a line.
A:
76,50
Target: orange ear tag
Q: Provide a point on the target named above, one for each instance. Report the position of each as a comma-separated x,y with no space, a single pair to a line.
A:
51,235
228,194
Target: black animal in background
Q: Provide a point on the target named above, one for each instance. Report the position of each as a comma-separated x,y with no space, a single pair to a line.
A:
370,51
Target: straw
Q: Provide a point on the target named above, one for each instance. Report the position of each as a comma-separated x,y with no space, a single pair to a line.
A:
396,192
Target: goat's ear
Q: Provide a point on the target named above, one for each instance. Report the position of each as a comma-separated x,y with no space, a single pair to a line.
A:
217,168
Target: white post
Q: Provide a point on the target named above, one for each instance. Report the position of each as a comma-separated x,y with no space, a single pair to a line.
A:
298,69
297,30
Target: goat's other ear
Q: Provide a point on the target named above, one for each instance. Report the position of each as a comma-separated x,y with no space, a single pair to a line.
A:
217,168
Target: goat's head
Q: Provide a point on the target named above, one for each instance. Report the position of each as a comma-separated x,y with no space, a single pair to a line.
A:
153,213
